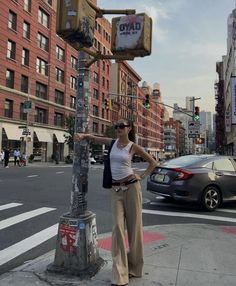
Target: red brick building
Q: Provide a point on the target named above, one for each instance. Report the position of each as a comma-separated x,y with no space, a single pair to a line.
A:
38,66
128,98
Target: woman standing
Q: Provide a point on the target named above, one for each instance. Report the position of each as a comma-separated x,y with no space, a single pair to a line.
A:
126,202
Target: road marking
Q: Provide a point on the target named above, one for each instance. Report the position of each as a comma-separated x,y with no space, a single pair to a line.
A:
22,217
24,245
60,172
8,206
226,211
32,176
188,215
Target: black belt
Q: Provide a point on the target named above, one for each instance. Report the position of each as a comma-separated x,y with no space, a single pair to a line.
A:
124,183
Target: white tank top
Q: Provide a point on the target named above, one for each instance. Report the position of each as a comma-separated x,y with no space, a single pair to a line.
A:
120,161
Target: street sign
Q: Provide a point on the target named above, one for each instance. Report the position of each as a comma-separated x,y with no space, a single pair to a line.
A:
193,129
27,106
26,132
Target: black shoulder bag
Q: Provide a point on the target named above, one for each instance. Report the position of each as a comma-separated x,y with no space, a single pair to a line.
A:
107,177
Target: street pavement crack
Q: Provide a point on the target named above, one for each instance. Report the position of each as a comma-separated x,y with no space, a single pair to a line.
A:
180,255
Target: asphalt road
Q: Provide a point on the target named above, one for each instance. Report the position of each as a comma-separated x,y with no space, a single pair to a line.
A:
33,198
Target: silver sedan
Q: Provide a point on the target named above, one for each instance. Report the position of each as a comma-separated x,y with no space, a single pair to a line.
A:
206,179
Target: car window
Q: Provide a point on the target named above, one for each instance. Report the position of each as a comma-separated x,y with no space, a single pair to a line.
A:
224,165
183,161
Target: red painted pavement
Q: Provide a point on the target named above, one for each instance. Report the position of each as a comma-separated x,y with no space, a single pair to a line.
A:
229,229
148,237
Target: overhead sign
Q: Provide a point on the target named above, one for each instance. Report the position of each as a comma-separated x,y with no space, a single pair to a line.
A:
193,129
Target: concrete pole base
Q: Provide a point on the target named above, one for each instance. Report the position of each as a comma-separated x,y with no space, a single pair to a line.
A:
76,248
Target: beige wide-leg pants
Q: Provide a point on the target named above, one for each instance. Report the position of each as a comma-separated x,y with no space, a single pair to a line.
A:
127,211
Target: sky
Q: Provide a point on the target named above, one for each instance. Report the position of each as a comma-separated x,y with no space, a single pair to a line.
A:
189,37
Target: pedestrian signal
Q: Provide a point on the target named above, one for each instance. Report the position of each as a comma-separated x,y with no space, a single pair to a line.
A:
146,103
199,140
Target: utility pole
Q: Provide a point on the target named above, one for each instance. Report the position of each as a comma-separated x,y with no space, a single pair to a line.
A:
76,247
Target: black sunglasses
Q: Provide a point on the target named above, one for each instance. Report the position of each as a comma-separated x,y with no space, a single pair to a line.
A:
121,126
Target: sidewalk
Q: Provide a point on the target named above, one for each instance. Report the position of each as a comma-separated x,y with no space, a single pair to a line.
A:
175,255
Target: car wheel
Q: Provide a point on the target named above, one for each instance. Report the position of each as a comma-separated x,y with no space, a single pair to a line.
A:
211,198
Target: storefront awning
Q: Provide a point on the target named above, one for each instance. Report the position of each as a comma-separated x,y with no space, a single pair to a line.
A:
60,136
12,131
43,135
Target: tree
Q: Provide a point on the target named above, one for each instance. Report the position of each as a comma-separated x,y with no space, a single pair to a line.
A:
70,125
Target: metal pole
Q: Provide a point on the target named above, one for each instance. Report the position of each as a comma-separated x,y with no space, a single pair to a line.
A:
76,248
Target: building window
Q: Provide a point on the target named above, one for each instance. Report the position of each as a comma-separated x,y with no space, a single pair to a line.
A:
58,119
95,127
59,97
42,66
27,5
73,61
73,102
73,82
95,110
107,84
23,115
10,78
41,90
12,20
24,83
43,18
59,75
41,115
8,110
95,77
60,54
50,2
103,66
43,42
95,93
103,81
25,57
26,30
11,50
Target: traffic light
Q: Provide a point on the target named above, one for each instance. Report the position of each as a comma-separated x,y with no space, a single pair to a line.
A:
146,103
199,140
106,104
196,116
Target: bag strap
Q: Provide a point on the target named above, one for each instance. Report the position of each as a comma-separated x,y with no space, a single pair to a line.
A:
112,143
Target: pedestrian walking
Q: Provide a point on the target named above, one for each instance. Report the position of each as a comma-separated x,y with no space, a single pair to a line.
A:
17,155
126,202
6,157
1,157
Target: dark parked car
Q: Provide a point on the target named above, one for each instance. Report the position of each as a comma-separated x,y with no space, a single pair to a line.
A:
206,179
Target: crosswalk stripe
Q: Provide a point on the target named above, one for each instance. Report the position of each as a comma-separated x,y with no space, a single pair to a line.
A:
23,246
32,176
8,206
188,215
22,217
226,211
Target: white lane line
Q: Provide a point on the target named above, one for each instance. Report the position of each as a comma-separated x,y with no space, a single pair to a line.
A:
8,206
23,246
226,211
32,176
22,217
60,172
188,215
